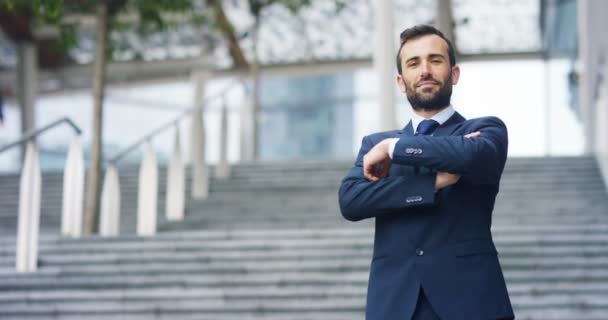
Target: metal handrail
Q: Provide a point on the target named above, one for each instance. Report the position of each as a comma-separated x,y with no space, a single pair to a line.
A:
34,133
121,154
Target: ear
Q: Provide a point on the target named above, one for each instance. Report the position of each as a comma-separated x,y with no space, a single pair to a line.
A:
455,74
401,83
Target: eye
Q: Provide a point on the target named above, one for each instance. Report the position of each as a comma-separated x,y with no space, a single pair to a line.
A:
436,61
412,64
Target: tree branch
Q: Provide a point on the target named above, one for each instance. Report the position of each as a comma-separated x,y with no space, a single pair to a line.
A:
227,29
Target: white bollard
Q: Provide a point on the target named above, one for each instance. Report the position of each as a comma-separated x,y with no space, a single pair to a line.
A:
148,194
109,220
223,167
73,191
29,212
175,183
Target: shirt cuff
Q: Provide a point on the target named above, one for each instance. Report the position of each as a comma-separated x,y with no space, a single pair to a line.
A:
391,146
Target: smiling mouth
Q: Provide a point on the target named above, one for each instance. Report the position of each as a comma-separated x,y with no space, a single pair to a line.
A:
427,83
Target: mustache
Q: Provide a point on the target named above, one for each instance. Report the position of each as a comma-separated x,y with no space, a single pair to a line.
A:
427,80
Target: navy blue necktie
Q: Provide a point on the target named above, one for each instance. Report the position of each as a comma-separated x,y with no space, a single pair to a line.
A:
427,127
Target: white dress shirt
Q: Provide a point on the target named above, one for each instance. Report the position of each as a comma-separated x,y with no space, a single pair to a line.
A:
441,117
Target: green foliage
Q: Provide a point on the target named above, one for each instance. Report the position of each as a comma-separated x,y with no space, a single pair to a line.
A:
152,14
67,35
50,11
256,6
294,6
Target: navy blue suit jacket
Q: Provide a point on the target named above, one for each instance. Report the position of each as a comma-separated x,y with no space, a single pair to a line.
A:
438,241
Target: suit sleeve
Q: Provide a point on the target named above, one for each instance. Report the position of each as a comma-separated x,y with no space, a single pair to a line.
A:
360,199
479,160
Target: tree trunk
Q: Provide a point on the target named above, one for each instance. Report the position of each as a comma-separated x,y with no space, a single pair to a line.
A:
27,85
94,174
255,78
227,29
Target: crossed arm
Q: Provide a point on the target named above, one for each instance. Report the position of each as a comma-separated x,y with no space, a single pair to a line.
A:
477,157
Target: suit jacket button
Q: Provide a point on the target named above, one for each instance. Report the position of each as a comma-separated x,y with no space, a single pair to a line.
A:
419,252
413,199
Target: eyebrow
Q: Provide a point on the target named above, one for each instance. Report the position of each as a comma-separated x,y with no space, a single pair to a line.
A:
431,55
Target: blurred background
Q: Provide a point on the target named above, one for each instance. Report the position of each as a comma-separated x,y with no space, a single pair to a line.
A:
186,154
318,85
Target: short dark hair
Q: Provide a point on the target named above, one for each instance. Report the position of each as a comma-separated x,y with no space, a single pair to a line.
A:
419,31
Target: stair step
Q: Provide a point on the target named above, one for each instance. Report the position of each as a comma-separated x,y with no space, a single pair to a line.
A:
270,243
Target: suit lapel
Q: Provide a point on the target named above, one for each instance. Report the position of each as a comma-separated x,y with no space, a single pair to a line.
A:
407,131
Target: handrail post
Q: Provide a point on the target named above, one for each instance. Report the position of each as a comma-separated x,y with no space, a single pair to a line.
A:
28,225
175,200
247,125
29,212
73,191
200,175
109,219
223,167
148,194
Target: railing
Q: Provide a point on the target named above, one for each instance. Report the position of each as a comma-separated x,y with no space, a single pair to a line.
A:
29,194
148,172
73,180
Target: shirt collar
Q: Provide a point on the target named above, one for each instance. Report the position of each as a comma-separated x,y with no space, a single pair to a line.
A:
440,117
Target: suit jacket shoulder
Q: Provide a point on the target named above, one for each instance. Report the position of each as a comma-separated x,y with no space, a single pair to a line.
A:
490,121
379,136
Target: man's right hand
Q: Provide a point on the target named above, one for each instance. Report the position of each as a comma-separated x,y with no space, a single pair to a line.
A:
445,179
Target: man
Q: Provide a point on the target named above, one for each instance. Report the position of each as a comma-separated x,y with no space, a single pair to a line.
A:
431,188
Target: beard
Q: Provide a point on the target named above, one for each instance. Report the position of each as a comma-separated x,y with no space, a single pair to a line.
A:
430,101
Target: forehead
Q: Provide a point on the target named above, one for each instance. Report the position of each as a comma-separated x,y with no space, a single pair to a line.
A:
423,46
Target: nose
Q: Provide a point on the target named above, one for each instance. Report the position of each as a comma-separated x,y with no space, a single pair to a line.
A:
425,70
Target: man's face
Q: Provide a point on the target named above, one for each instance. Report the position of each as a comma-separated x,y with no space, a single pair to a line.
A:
427,77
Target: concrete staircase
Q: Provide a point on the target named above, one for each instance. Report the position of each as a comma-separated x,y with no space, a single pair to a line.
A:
270,244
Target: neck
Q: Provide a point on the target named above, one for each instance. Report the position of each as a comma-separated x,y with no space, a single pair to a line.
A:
426,113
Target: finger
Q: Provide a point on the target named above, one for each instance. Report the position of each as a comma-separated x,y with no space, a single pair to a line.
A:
370,175
366,171
370,162
386,165
473,134
369,170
